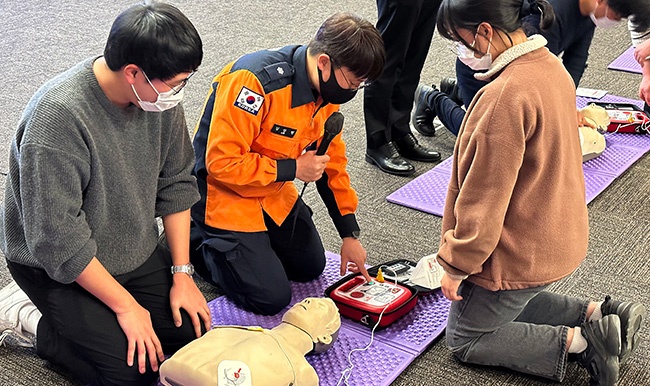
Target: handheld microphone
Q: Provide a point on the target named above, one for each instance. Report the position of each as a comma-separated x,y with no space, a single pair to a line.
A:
333,126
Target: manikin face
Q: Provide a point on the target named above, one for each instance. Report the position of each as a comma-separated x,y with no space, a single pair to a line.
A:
318,317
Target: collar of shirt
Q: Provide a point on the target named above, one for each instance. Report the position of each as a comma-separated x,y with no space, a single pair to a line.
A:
302,92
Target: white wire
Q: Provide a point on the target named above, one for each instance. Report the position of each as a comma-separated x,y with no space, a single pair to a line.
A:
347,372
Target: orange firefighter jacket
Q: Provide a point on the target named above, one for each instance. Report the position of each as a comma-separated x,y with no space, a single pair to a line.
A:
260,115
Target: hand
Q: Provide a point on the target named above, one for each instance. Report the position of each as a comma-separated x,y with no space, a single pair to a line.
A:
135,321
186,295
449,287
642,51
353,257
644,89
310,167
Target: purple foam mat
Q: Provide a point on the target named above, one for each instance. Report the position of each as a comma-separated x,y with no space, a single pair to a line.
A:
626,62
583,101
392,350
380,365
428,191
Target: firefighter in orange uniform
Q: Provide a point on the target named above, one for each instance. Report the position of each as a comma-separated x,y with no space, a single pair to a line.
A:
259,129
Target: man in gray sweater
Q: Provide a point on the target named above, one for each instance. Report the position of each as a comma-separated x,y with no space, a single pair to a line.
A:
101,151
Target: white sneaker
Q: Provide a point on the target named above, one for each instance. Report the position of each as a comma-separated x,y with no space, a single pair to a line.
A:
13,302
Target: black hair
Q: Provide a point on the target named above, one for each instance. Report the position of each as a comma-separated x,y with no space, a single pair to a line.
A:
638,11
352,42
503,15
156,37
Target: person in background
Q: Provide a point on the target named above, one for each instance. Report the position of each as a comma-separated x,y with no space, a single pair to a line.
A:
570,36
101,151
407,28
263,119
506,238
641,43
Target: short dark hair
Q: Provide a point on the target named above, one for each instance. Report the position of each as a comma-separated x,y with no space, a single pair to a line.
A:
156,37
504,15
638,11
352,42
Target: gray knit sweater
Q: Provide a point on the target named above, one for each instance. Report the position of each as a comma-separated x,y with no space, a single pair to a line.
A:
88,178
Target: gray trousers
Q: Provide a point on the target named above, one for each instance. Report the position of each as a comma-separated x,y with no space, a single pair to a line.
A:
523,330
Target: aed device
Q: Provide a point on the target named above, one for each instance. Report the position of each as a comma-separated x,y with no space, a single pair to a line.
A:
364,301
625,118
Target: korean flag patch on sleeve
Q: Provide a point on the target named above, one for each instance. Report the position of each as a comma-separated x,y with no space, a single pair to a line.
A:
249,101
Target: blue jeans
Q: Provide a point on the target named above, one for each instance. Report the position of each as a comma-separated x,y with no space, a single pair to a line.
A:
523,330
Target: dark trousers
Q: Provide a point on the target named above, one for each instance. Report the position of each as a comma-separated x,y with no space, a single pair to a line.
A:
450,113
254,268
407,29
81,334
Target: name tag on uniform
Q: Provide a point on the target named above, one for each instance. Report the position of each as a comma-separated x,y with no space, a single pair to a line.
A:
283,131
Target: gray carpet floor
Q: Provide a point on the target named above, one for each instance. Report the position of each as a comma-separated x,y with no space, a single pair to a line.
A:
39,39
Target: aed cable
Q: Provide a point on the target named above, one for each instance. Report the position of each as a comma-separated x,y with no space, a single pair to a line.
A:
347,372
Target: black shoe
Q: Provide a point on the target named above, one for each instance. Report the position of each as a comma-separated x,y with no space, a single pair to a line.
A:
423,115
409,148
389,161
450,87
631,315
603,347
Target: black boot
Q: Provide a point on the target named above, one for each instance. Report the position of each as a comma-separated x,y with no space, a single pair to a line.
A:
387,159
409,148
449,86
423,114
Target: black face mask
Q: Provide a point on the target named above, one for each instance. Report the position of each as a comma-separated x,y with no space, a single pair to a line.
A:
331,91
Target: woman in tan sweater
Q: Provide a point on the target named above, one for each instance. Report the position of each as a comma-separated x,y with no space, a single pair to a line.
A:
515,218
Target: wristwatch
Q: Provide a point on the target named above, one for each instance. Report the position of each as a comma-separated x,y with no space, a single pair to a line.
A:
187,268
354,234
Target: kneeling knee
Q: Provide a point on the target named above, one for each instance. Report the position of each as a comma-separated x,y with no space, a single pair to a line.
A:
269,303
459,347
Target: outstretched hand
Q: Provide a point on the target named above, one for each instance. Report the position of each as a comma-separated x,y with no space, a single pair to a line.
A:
135,321
186,295
353,257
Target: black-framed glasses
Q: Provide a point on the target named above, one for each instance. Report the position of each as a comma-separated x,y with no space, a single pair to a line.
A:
180,86
351,86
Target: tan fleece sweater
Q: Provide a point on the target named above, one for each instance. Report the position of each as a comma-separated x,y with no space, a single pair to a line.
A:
515,215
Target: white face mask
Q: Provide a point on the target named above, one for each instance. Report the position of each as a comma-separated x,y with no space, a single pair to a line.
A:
165,101
466,56
603,22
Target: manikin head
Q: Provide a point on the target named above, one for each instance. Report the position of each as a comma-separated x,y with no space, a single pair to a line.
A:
317,317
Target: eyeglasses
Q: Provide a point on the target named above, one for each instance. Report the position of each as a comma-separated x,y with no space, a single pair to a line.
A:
351,86
460,50
180,86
